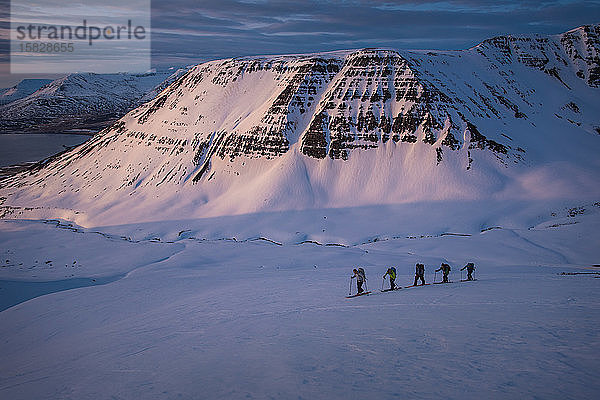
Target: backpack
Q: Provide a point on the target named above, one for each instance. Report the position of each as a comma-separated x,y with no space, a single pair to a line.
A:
361,272
392,272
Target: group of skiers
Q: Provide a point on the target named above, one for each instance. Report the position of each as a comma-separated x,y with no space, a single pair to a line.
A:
359,274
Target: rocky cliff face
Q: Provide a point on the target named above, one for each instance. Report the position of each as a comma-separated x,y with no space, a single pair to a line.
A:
419,123
574,51
361,99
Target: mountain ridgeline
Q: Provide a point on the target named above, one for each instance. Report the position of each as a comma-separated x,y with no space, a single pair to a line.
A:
83,101
341,128
342,101
21,90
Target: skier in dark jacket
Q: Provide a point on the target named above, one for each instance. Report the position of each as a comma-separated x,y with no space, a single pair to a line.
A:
391,272
470,268
360,276
419,273
445,268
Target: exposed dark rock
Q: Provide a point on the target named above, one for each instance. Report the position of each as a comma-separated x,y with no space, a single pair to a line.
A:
450,141
573,107
478,141
496,147
439,153
314,143
385,124
157,104
429,138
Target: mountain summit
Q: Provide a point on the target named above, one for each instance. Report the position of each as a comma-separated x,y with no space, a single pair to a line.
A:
511,118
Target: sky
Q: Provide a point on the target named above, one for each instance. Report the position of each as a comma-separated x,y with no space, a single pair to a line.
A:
191,31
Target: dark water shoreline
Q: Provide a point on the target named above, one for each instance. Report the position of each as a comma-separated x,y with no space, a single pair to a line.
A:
13,293
77,132
17,150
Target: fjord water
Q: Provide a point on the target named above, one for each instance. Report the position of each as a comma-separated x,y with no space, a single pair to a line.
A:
18,148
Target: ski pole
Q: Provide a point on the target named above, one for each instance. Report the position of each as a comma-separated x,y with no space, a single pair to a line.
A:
461,274
382,282
435,276
350,290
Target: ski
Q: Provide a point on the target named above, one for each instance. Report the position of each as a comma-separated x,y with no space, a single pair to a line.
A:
389,290
356,295
406,287
468,280
439,283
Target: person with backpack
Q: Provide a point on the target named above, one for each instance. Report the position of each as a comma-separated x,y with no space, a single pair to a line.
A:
360,276
419,274
391,272
445,268
470,268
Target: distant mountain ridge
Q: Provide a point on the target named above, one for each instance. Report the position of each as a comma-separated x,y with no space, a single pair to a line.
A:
81,101
513,117
21,89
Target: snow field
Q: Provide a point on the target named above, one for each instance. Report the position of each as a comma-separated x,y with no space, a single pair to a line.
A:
253,319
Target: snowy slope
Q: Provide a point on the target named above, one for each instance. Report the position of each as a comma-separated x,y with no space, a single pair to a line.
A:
514,118
21,89
174,75
82,100
227,319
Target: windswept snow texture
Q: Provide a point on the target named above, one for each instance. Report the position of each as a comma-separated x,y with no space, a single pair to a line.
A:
250,318
513,118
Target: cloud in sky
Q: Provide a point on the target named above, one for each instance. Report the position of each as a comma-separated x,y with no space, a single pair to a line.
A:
58,36
192,31
224,28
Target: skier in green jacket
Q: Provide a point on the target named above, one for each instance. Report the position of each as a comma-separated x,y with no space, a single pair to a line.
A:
470,268
445,268
391,272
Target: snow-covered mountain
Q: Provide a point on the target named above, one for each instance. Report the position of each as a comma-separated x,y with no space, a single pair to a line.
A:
511,118
82,100
21,89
